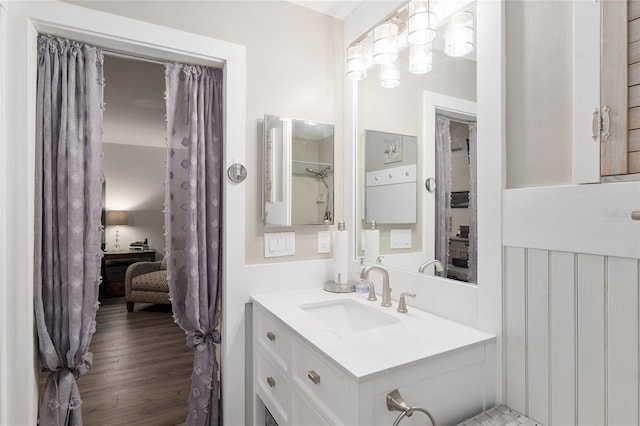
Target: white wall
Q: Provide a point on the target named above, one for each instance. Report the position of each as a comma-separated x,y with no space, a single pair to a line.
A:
134,177
4,322
539,71
135,106
294,68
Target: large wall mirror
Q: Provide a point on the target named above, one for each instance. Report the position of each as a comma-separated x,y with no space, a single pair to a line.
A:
416,128
298,184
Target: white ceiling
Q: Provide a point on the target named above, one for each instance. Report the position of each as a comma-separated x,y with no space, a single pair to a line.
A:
337,9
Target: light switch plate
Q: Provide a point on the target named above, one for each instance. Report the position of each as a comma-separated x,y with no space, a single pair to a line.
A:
324,242
279,244
400,239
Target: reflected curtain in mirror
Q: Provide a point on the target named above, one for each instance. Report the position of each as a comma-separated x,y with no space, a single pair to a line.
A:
193,220
443,190
68,203
473,203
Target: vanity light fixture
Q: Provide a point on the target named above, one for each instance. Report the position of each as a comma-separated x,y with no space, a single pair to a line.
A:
422,22
459,36
356,64
420,58
385,43
389,76
414,27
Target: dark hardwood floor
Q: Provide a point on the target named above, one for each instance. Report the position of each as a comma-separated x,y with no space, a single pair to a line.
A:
141,370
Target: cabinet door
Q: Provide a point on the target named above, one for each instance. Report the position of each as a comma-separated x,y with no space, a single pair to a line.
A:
606,91
618,93
306,415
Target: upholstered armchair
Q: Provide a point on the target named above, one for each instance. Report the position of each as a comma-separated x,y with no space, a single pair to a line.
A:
146,282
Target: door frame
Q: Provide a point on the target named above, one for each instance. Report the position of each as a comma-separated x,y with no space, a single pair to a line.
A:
25,20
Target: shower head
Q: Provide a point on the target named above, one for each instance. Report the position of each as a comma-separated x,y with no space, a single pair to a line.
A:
314,172
320,174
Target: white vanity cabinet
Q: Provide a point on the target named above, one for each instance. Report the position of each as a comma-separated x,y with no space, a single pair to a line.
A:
302,382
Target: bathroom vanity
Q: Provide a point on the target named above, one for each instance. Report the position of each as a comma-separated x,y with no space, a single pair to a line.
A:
330,359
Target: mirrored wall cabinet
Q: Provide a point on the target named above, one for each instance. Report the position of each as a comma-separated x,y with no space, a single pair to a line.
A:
298,172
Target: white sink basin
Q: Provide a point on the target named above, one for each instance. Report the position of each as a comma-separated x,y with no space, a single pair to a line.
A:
348,315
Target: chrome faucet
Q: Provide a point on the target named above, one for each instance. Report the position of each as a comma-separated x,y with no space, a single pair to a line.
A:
435,262
386,291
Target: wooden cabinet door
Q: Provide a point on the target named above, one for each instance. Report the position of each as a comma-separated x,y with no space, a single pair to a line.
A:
615,90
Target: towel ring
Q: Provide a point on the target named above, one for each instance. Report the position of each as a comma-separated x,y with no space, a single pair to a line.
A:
396,403
409,413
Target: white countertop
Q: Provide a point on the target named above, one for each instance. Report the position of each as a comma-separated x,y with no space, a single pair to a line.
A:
418,335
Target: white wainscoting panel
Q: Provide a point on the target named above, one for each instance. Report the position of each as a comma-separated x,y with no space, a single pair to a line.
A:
622,342
538,334
571,330
562,353
515,333
591,340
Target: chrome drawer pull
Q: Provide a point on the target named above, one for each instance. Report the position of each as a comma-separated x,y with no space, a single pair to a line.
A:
314,377
271,336
635,215
271,381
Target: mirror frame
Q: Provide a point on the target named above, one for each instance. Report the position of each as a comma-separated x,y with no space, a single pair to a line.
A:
477,306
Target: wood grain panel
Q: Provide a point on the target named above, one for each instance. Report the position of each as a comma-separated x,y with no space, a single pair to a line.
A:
634,96
634,52
538,335
614,87
634,74
634,140
634,9
562,351
622,341
634,162
591,340
634,118
515,329
634,25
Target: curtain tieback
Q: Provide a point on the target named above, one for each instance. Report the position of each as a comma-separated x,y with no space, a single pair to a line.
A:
82,368
198,340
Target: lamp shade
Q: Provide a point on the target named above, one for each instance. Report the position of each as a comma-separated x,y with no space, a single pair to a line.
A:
117,217
385,43
356,67
422,22
459,36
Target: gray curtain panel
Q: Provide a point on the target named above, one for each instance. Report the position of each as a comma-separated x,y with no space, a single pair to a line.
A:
193,221
67,218
473,203
443,189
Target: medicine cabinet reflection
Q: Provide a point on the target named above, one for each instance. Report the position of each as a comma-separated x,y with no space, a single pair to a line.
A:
298,172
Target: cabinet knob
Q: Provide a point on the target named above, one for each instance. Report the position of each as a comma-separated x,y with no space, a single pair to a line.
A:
635,215
271,336
314,377
271,381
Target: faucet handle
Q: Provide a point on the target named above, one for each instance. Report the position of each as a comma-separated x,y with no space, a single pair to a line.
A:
402,305
372,291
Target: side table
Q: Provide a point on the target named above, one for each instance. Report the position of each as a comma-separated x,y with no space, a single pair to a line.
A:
114,266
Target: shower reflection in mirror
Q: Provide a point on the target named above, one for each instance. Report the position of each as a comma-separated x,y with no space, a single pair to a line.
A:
298,172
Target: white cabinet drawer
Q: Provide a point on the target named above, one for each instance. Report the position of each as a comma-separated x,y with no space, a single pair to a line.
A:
274,388
274,338
326,386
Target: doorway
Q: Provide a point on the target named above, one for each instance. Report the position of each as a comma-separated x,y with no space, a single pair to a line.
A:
25,21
